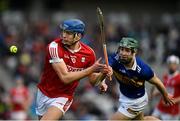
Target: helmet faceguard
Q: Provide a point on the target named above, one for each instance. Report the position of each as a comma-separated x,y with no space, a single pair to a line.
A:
73,26
132,45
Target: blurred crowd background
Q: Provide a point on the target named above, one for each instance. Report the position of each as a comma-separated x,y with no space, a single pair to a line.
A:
31,25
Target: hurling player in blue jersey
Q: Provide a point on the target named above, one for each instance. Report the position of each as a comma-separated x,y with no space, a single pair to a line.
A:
131,73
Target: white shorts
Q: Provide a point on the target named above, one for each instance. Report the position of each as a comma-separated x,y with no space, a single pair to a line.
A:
43,103
132,107
18,115
164,116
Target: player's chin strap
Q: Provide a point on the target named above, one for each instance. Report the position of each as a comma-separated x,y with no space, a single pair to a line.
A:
76,39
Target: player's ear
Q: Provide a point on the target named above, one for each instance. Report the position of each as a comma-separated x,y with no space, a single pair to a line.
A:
77,36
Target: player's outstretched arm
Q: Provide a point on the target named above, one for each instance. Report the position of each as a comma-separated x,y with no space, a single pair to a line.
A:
159,85
68,77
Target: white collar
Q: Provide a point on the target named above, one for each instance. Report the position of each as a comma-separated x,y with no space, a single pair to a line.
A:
134,65
73,51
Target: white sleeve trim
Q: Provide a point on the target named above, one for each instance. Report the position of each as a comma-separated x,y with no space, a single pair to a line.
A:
55,60
53,51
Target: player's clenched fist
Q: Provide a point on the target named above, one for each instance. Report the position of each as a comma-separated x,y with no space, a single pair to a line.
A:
107,70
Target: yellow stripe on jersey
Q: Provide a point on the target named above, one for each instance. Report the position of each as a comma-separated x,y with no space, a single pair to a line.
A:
129,81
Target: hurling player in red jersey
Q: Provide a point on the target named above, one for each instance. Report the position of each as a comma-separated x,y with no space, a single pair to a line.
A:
172,84
67,61
20,100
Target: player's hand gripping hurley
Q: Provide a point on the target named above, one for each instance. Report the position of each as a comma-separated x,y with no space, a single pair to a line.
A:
101,24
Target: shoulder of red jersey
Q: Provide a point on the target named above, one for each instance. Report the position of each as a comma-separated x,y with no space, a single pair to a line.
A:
178,75
87,49
53,51
56,40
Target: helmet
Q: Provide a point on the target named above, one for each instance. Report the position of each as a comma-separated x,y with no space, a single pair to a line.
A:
73,25
128,42
173,59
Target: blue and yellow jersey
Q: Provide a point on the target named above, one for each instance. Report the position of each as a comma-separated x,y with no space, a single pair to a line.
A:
131,80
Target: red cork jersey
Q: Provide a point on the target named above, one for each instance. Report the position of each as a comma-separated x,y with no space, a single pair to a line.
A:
51,85
172,84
